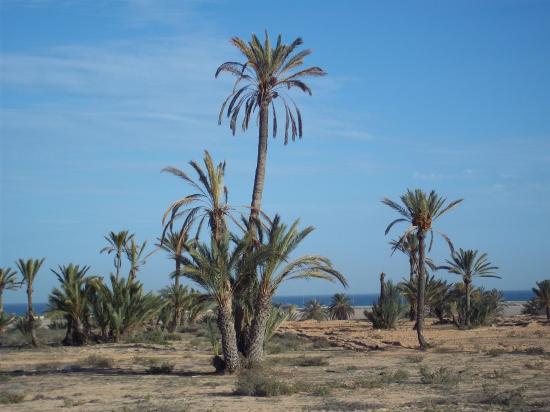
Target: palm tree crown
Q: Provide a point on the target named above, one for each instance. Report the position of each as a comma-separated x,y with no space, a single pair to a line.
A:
116,244
340,307
8,280
265,76
468,264
29,269
209,202
420,210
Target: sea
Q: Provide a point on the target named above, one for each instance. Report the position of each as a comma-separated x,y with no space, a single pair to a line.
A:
364,299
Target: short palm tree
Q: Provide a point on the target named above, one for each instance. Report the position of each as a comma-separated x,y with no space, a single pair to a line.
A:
263,77
468,264
70,300
135,253
29,270
313,310
209,202
420,211
8,281
275,266
340,307
542,295
175,243
117,244
213,267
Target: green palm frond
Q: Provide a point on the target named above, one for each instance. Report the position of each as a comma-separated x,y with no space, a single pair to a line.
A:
263,79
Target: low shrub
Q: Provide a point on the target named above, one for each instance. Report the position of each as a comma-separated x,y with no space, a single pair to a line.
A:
160,369
440,376
416,358
155,337
286,342
97,361
259,381
511,397
306,361
11,397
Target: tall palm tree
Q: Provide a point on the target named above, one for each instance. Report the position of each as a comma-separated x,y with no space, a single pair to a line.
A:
208,203
117,244
420,211
29,270
408,245
274,266
8,281
542,295
70,299
340,307
213,267
175,243
265,75
468,264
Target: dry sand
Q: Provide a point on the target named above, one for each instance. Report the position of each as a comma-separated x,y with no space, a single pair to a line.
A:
502,367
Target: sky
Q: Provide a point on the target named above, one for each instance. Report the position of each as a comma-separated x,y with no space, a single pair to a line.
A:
97,97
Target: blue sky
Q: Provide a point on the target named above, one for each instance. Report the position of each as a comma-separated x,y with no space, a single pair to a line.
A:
98,97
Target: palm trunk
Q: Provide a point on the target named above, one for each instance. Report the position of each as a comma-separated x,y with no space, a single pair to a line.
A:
421,291
262,310
229,339
30,315
67,340
78,338
467,286
259,177
382,287
176,317
242,325
1,303
548,312
412,312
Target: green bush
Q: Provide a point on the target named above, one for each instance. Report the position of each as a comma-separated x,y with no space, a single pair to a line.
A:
11,397
388,309
160,369
259,381
154,336
440,376
97,361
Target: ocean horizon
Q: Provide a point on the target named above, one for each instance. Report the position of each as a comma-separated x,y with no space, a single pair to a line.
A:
360,299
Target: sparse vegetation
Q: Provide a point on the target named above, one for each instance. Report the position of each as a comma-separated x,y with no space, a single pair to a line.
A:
7,398
439,376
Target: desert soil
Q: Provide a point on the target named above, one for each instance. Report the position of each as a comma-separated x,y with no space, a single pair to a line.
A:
352,367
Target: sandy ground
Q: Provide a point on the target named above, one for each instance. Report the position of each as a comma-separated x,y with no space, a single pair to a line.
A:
353,367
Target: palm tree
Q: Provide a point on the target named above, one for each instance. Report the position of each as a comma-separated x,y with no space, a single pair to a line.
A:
117,244
213,267
408,245
436,294
420,210
264,76
175,243
8,281
274,266
340,307
468,264
314,310
208,203
28,270
135,255
71,301
542,295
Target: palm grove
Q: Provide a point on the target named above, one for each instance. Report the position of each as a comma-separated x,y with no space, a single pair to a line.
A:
239,260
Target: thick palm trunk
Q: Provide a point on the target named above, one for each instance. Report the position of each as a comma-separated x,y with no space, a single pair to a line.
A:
382,287
67,340
412,312
1,303
548,312
421,291
30,316
229,339
176,316
262,309
467,287
78,338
